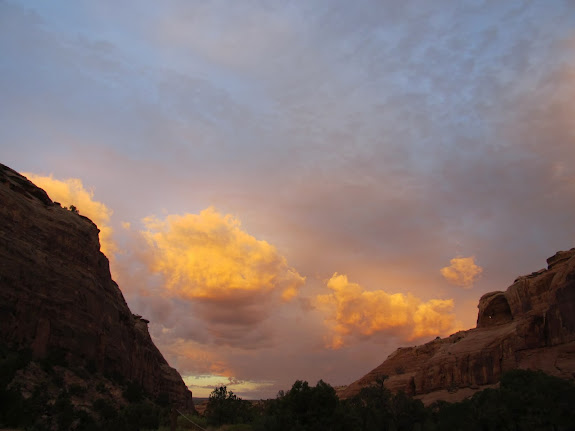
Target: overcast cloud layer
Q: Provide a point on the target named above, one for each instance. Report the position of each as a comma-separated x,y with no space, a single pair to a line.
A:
291,190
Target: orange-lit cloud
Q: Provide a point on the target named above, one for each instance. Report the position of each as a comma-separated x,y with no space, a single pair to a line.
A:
353,311
462,271
208,256
71,191
193,358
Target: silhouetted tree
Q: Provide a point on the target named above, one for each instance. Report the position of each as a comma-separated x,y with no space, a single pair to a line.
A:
525,400
227,408
304,408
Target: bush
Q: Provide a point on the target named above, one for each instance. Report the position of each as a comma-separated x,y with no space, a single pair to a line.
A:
227,408
133,417
105,409
77,390
101,388
304,408
526,400
139,416
64,412
55,357
11,362
13,412
163,400
133,393
185,424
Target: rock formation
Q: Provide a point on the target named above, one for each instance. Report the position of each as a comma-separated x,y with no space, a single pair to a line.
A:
57,295
529,326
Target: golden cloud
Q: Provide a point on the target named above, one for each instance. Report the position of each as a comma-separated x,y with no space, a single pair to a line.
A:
353,311
71,191
208,256
462,271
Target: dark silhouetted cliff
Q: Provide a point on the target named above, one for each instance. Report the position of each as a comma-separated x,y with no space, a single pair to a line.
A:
57,296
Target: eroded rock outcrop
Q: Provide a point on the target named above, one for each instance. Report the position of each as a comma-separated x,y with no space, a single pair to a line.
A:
56,294
531,326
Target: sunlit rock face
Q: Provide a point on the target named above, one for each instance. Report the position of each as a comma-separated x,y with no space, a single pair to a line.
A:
530,326
56,294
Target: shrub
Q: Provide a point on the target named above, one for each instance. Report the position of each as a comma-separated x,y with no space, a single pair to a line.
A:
304,408
54,357
526,400
184,423
101,388
11,362
133,393
227,408
104,408
64,411
77,390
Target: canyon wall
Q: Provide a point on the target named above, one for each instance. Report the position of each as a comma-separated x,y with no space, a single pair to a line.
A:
57,294
529,326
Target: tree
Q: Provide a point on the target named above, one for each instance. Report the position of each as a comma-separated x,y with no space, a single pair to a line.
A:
305,408
372,406
526,400
227,408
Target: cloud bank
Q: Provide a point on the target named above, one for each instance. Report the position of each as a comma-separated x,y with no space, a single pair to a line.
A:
354,312
208,257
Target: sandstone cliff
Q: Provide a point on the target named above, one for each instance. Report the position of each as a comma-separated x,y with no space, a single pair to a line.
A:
530,326
57,295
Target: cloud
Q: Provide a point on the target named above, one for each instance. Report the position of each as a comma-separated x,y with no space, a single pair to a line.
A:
355,312
222,281
208,257
462,271
71,191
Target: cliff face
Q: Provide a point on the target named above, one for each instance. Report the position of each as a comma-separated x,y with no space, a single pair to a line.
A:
56,294
530,326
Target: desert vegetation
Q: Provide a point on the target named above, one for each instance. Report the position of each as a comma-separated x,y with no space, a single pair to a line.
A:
62,397
525,400
50,394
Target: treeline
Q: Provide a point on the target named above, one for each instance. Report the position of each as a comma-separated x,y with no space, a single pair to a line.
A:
525,400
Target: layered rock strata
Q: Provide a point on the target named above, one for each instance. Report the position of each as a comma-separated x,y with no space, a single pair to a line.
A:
529,326
57,295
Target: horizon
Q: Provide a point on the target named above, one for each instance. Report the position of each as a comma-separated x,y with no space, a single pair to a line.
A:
292,192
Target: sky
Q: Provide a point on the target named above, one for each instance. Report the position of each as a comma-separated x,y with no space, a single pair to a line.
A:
294,189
